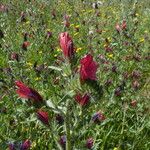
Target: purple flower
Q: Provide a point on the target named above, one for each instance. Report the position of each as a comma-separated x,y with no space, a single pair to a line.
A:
11,146
98,117
59,119
25,145
89,143
62,141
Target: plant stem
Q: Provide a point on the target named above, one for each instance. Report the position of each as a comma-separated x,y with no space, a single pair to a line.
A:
67,129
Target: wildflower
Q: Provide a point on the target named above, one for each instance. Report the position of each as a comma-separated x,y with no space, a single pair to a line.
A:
14,56
121,27
118,28
59,119
110,55
23,17
25,145
88,68
11,146
78,49
66,45
62,141
82,99
133,103
109,49
77,28
114,68
109,82
118,91
66,21
25,45
26,92
142,40
136,74
49,34
135,84
98,117
43,117
89,143
76,33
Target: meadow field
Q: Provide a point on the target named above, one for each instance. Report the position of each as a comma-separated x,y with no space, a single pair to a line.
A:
74,75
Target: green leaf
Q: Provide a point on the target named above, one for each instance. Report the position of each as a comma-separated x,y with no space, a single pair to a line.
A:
55,68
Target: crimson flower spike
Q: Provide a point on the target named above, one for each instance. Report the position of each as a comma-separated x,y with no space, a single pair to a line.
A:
66,44
88,68
26,92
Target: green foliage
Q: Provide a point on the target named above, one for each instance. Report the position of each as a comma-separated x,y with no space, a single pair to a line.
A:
42,66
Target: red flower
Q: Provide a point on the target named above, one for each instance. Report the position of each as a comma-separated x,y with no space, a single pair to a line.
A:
43,117
25,45
66,45
89,143
82,100
25,145
27,92
88,68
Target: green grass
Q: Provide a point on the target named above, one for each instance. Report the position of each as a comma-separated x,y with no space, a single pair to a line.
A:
125,127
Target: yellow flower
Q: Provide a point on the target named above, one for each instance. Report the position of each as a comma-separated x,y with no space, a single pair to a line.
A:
40,52
145,31
58,49
76,34
115,148
48,30
28,22
109,39
29,64
142,40
136,14
77,26
71,25
90,11
55,55
78,49
25,129
37,79
110,55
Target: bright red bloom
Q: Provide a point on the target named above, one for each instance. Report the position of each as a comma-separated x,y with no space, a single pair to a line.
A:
89,143
82,100
88,68
43,117
66,45
26,92
25,145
